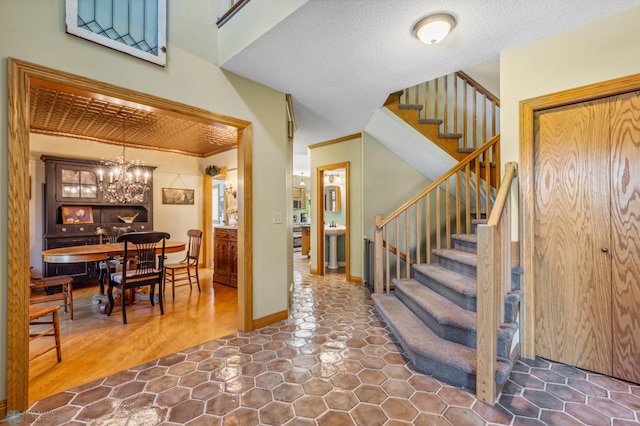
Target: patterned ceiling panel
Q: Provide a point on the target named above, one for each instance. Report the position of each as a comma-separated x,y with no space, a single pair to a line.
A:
56,112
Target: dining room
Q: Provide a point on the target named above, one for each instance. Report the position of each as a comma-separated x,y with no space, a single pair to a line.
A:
63,168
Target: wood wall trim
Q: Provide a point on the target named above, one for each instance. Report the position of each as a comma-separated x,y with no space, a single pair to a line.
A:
270,319
207,226
320,214
355,279
333,141
20,75
528,108
18,232
245,228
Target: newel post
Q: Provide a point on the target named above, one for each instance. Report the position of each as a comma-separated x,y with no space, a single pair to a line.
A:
378,263
487,319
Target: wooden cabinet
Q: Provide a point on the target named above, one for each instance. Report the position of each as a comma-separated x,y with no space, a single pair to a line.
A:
225,256
74,209
301,194
306,240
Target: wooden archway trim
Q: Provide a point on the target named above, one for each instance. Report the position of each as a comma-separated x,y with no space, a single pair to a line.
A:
21,74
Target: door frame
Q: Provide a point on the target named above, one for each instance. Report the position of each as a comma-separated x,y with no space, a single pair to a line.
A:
320,171
20,75
527,218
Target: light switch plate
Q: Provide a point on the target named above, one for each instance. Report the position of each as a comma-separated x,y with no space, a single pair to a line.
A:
277,218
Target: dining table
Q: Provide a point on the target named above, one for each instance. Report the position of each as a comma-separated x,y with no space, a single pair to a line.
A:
100,252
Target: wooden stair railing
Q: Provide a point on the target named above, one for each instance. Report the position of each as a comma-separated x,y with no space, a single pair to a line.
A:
494,282
450,205
454,111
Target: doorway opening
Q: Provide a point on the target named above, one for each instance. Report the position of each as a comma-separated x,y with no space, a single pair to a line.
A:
333,224
22,76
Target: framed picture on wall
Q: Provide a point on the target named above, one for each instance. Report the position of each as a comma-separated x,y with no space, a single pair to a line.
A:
177,196
77,214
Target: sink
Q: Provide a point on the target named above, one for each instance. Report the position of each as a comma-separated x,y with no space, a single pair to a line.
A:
333,232
337,231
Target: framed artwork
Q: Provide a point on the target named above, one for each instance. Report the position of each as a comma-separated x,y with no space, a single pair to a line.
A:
177,196
77,214
136,27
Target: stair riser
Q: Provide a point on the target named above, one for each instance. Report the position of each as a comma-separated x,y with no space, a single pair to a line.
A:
455,266
437,369
462,300
451,332
445,331
468,246
428,358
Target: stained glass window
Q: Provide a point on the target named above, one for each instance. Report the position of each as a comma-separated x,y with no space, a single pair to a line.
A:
136,27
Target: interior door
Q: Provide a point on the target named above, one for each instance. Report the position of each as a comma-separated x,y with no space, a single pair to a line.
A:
625,222
572,236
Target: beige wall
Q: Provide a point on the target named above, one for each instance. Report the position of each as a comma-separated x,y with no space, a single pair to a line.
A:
598,51
388,182
34,31
347,151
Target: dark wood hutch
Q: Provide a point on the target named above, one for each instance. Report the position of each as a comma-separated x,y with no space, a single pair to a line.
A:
72,188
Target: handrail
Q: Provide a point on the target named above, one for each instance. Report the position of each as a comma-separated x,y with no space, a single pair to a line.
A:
402,255
429,219
461,165
478,87
453,111
510,173
235,8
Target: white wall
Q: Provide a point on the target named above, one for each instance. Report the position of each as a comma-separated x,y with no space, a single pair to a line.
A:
34,31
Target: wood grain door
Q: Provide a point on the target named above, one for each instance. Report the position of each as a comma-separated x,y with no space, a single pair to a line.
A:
625,236
573,273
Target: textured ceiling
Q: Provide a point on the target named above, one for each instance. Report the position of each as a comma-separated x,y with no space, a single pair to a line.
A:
56,111
339,60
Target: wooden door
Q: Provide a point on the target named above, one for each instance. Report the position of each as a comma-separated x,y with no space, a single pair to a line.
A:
625,223
572,227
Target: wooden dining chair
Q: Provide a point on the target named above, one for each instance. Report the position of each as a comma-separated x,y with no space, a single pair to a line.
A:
148,271
109,234
39,291
36,320
182,271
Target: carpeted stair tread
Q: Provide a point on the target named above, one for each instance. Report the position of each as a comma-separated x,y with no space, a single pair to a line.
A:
430,121
445,360
457,260
450,135
456,287
444,317
465,242
417,107
458,255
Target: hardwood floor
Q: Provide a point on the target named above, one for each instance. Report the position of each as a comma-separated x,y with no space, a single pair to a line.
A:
95,345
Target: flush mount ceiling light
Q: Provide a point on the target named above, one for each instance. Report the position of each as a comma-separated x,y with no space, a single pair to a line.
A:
433,29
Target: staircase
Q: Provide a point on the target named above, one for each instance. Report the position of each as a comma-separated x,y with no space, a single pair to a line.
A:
448,294
433,315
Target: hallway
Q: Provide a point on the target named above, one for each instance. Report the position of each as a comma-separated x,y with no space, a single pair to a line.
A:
331,363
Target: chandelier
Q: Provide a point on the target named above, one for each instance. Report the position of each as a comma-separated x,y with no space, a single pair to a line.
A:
124,182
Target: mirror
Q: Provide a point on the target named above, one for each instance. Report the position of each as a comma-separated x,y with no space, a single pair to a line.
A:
332,198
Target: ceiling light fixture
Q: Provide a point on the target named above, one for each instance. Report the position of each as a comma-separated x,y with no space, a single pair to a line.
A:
127,182
433,29
302,180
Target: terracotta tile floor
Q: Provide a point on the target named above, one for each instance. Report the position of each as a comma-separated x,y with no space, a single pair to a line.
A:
331,363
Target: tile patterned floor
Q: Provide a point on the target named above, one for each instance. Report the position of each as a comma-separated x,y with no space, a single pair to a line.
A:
331,363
